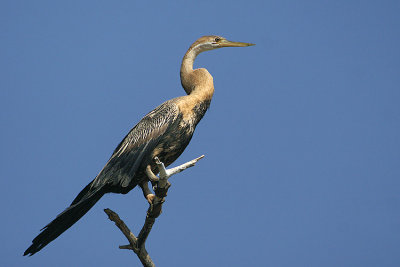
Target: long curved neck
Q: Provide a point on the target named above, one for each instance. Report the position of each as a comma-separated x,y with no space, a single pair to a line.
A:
198,82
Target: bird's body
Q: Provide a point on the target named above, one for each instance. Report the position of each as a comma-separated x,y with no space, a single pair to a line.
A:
164,132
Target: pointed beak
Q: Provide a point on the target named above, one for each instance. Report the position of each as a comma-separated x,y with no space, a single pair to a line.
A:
226,43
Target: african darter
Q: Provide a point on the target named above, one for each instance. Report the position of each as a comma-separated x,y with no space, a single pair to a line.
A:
164,133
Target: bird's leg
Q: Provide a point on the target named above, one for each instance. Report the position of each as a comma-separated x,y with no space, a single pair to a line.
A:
160,190
146,192
153,178
150,174
161,183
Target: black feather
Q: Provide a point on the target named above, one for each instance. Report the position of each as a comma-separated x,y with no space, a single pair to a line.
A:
63,221
163,129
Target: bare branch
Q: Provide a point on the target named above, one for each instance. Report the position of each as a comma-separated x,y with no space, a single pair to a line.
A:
137,244
144,257
166,173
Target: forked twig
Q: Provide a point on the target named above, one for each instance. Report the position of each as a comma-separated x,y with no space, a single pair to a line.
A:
137,244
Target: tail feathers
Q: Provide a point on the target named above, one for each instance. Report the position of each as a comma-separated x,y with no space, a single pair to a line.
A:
65,220
83,193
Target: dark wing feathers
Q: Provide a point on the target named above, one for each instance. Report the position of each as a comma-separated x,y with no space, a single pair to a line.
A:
136,148
134,152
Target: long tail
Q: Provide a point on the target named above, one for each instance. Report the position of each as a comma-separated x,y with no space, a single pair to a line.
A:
79,207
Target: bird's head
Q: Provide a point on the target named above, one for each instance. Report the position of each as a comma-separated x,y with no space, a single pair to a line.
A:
191,78
206,43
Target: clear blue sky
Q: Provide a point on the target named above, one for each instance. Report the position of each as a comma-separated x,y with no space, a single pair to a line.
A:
302,144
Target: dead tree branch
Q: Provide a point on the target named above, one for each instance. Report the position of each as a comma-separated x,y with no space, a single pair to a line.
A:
137,244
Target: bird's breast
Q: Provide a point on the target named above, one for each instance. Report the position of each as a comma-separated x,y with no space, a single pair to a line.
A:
181,131
192,109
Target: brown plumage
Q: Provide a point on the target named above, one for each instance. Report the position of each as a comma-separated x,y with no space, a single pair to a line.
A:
164,133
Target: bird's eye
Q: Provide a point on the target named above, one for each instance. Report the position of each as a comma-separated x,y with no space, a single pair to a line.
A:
217,39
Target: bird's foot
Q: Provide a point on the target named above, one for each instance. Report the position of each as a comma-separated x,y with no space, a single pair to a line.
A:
150,198
150,174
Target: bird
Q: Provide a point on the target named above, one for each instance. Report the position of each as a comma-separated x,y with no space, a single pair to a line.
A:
164,132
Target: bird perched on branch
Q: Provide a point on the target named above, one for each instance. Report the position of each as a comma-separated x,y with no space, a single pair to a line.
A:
164,133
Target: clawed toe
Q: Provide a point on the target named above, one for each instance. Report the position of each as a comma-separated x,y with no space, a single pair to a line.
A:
150,198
